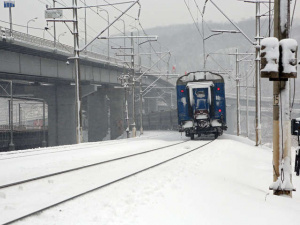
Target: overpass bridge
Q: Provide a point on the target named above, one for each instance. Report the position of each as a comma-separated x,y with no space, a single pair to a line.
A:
40,70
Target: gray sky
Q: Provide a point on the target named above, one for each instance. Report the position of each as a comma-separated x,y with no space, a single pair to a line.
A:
154,13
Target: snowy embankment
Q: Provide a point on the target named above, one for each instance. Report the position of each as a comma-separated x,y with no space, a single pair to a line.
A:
226,182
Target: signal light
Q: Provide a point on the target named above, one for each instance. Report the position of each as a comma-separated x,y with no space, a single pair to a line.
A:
218,89
220,110
182,91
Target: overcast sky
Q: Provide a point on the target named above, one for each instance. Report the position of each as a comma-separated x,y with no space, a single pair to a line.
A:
153,13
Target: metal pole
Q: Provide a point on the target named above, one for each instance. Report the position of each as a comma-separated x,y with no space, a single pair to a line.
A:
133,87
281,113
11,119
85,25
77,75
108,55
269,18
238,127
54,27
124,41
141,108
247,108
20,123
44,143
10,22
107,32
257,79
204,50
126,111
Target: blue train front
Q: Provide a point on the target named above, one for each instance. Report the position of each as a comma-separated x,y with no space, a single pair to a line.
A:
201,104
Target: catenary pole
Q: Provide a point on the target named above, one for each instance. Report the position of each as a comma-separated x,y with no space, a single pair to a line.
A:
281,113
77,75
54,27
257,79
133,87
238,114
10,23
11,119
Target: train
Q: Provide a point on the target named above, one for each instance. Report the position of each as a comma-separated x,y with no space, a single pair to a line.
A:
201,104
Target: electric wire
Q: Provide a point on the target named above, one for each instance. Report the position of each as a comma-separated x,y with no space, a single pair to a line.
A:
197,27
292,19
18,25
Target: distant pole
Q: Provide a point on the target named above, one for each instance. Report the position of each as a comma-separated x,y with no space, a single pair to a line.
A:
238,127
141,108
108,55
126,111
54,27
247,108
257,79
133,87
281,113
85,25
20,115
11,119
44,143
10,22
78,111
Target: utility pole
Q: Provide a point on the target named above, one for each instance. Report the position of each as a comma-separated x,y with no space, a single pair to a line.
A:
281,113
9,4
238,114
10,22
126,111
77,75
141,108
11,119
54,27
44,142
237,78
133,87
257,79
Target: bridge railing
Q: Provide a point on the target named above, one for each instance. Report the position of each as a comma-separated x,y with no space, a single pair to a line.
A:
44,43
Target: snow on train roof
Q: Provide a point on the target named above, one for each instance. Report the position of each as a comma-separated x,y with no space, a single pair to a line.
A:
200,76
200,85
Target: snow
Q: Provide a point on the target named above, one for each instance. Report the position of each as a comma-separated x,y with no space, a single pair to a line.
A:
271,51
215,123
289,51
183,100
202,117
226,182
188,124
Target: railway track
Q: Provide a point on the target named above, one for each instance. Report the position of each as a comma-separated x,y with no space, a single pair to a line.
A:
60,149
156,157
84,167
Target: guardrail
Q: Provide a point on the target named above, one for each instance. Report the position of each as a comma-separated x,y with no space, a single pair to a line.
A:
44,43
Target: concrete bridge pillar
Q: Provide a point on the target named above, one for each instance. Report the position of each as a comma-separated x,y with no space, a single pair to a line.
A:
116,99
97,116
61,110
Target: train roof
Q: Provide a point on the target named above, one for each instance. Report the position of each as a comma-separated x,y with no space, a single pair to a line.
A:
200,76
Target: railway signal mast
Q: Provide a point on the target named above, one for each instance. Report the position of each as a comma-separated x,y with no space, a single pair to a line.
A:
279,63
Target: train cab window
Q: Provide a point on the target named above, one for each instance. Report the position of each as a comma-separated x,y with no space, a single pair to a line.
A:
200,94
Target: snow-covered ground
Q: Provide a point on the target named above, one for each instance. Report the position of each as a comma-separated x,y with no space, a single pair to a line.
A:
225,182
